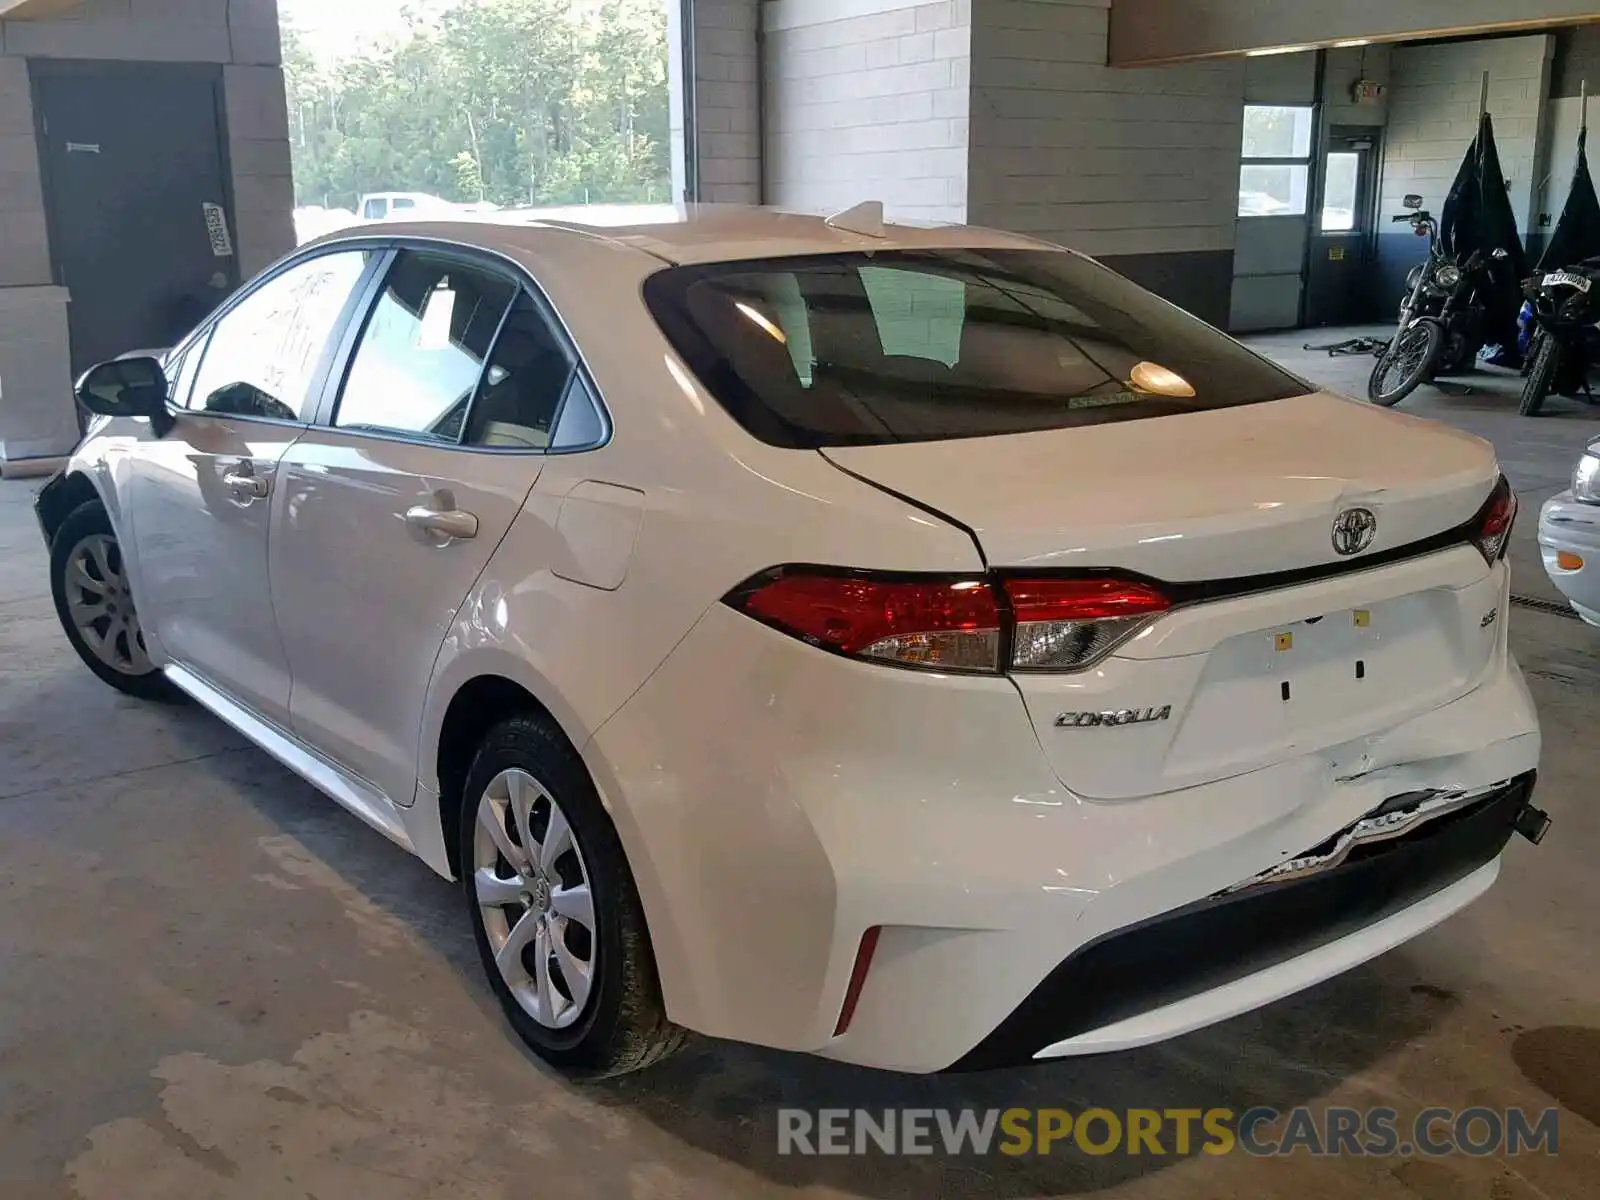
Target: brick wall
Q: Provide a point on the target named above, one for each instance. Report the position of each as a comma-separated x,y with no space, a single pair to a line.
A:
868,99
725,101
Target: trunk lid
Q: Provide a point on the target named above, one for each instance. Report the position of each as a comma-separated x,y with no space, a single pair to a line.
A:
1231,492
1233,684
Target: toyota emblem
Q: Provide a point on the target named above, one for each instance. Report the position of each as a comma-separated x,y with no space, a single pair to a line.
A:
1353,530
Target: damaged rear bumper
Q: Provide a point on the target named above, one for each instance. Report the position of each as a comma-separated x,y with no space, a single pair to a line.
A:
1271,936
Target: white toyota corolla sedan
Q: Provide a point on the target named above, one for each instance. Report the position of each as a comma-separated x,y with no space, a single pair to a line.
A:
918,647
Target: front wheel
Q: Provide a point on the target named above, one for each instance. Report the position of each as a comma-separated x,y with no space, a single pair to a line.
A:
1546,361
557,917
1405,364
95,603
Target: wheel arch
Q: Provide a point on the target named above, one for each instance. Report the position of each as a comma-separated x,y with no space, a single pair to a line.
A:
475,707
462,708
65,493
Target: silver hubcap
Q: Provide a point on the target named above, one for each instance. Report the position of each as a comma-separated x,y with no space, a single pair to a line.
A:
101,606
533,892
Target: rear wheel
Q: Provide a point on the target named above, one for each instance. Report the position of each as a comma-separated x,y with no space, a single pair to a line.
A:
1541,375
1405,364
557,918
95,603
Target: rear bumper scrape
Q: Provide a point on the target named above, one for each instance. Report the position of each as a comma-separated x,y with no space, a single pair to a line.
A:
1153,977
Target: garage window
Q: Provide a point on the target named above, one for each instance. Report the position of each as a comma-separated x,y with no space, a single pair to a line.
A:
1275,176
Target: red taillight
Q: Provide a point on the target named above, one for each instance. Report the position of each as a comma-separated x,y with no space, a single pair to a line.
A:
948,624
1492,526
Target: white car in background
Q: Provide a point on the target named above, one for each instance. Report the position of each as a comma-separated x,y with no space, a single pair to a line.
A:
313,221
916,647
1569,537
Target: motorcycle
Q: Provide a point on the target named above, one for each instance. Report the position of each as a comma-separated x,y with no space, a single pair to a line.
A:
1566,334
1442,316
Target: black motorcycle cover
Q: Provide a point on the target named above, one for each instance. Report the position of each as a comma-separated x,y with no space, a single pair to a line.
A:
1576,236
1477,216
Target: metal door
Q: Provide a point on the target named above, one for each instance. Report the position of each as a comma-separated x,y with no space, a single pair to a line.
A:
1342,237
200,499
136,199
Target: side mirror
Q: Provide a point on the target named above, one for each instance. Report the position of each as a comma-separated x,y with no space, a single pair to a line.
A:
1412,200
128,387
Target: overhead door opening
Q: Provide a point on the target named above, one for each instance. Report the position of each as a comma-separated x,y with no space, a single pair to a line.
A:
458,107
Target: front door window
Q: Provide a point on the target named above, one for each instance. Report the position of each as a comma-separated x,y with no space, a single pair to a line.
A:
264,353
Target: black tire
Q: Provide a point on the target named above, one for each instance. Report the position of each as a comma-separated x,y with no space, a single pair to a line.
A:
623,1026
89,521
1541,375
1407,363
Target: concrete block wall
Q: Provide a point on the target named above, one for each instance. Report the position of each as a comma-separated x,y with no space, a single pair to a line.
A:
727,138
242,36
37,418
1577,59
869,99
1433,116
24,243
1344,67
1137,167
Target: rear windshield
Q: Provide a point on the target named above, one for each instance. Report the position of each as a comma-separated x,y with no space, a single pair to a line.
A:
906,346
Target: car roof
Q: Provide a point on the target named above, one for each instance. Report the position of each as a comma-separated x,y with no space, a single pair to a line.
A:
696,233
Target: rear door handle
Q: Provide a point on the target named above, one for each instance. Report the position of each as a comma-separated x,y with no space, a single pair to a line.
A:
442,524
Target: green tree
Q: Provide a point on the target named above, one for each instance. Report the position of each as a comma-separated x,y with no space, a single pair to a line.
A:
519,102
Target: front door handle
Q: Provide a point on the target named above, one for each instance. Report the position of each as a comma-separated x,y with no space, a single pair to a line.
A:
444,524
244,485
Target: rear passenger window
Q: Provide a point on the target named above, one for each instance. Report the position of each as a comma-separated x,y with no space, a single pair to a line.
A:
522,390
422,353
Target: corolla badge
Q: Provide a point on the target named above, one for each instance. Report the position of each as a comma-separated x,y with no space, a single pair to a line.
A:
1353,530
1123,716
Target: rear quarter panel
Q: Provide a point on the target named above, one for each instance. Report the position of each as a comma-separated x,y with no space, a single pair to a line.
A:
717,507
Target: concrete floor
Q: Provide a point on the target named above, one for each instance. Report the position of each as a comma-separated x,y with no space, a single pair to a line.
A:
215,984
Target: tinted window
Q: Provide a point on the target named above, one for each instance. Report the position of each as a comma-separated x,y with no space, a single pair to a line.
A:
264,353
527,377
916,345
423,349
373,209
580,424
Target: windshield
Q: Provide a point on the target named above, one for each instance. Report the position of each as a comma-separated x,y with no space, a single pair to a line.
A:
903,346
